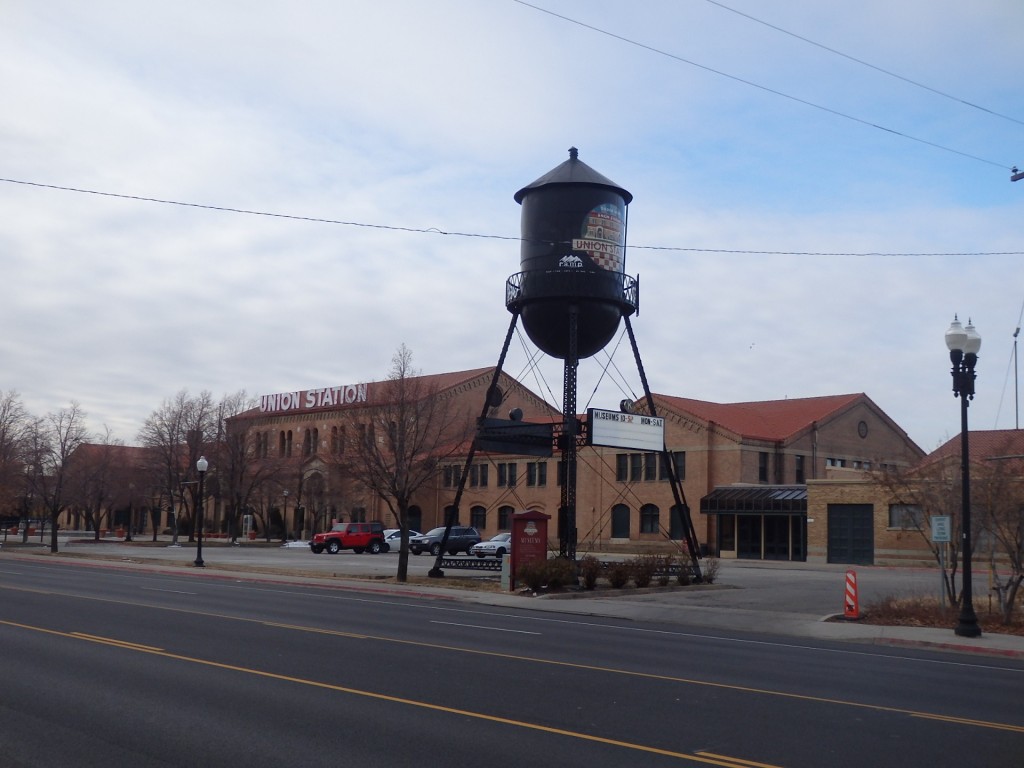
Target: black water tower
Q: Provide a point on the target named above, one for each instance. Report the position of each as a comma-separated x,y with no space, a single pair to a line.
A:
572,260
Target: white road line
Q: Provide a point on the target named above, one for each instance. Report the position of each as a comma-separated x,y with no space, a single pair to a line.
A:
477,626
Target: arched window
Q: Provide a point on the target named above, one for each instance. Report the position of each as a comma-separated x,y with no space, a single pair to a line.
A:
415,518
649,522
675,523
307,443
620,521
505,517
478,517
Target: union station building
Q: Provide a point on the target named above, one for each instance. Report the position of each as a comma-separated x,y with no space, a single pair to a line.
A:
756,476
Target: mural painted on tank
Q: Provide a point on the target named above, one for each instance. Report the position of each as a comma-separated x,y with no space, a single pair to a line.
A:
603,237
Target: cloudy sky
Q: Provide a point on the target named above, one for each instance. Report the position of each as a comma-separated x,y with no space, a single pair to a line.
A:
807,177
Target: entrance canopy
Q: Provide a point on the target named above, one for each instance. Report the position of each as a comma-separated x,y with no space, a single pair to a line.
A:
756,500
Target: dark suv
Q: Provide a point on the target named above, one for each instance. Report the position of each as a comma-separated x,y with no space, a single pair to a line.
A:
459,540
359,537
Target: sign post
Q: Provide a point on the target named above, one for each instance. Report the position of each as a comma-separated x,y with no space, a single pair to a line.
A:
529,541
941,535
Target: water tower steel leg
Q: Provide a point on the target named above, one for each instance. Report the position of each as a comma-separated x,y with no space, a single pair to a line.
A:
453,513
681,509
567,543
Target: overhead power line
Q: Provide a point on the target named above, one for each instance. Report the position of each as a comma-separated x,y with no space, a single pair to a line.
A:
437,231
764,88
854,59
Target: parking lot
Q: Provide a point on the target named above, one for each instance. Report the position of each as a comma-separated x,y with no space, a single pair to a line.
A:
813,589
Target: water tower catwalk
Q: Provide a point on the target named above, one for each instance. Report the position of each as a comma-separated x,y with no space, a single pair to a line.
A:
572,292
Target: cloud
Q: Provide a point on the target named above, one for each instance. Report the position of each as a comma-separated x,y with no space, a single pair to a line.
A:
409,116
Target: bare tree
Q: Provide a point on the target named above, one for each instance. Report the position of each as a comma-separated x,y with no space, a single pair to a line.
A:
929,490
94,481
998,486
241,473
997,501
176,435
394,446
14,422
52,441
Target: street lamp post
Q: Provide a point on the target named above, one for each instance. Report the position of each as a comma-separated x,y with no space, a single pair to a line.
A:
201,466
284,517
963,344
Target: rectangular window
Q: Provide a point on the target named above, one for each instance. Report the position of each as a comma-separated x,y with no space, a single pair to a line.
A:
679,459
507,475
801,476
537,473
727,533
636,467
907,517
483,475
448,479
651,466
622,467
762,467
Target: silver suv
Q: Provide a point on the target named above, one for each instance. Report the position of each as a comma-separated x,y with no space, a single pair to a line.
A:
459,540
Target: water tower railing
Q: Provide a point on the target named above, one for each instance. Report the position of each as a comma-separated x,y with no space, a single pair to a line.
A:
570,284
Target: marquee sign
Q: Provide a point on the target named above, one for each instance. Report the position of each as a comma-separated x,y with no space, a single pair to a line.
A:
626,430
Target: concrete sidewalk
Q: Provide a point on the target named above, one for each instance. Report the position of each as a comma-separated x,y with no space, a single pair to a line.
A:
788,599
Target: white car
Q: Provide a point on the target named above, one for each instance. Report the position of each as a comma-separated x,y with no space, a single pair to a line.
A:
393,538
497,546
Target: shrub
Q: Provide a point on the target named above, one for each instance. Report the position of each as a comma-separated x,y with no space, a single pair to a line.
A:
590,569
618,575
683,577
533,574
643,568
710,570
664,564
560,572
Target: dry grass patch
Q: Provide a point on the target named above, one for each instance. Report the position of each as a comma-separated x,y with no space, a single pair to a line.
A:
917,611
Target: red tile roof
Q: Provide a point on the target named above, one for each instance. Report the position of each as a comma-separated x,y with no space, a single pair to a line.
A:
765,419
983,445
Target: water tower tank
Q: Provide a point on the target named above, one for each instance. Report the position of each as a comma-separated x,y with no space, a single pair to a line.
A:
572,257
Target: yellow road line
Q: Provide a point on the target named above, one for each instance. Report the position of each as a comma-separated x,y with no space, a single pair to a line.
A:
735,762
113,641
697,758
564,664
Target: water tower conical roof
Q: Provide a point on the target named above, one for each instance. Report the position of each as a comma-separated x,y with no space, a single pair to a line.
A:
573,171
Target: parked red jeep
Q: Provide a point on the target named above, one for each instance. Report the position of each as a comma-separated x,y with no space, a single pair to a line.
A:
359,537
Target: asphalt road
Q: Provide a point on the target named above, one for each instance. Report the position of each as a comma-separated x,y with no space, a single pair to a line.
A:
812,589
114,667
